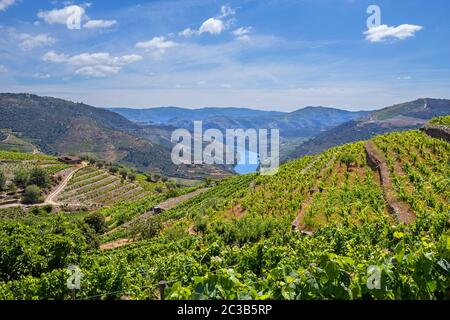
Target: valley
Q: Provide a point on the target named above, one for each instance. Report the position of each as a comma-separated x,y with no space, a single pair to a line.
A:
311,231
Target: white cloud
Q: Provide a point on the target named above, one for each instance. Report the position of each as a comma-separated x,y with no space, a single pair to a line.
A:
97,71
61,16
3,69
158,45
226,11
404,78
52,56
28,41
242,33
85,59
380,33
186,33
93,24
226,85
72,16
42,75
212,26
98,64
4,4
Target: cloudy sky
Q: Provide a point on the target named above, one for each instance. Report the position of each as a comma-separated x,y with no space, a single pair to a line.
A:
271,54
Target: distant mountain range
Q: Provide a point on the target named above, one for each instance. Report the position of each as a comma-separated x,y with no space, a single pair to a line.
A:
165,115
306,122
141,137
57,126
404,116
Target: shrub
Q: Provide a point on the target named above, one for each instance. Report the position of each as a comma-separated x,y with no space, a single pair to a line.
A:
32,195
123,173
39,177
132,176
21,178
97,222
48,208
113,169
2,181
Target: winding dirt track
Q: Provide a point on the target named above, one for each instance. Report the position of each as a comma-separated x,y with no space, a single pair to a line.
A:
50,198
376,161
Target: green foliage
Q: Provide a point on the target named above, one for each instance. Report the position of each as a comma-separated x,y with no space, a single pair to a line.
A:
97,222
348,159
441,121
21,178
132,176
39,177
32,194
31,251
243,247
2,181
123,172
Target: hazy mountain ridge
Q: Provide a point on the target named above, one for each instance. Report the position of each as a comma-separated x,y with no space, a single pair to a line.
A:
58,126
399,117
304,122
167,115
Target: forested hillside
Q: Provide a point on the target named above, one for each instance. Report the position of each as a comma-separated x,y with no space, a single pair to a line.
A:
57,126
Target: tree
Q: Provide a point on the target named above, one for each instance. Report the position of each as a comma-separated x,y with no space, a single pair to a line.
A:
348,159
97,222
21,178
113,169
123,173
32,195
208,181
39,177
2,181
132,176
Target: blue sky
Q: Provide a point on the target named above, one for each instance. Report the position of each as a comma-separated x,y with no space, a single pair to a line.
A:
273,54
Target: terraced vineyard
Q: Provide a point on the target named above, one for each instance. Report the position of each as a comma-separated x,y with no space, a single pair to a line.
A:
91,186
10,162
312,231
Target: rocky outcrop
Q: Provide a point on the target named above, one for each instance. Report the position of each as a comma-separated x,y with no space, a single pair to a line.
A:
435,131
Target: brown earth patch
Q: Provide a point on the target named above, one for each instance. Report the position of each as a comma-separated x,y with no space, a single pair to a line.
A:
115,244
376,161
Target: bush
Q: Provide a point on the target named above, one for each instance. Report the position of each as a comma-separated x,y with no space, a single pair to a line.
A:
21,178
132,176
200,223
123,173
48,208
2,181
148,229
113,169
97,222
90,236
39,177
32,195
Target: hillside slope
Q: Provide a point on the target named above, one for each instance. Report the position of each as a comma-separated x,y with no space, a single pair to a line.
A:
315,230
58,126
405,116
